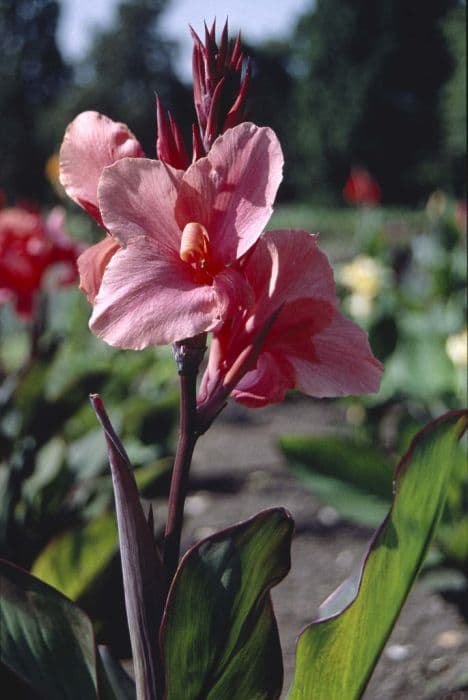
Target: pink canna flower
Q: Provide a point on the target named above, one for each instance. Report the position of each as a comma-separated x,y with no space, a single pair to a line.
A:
93,141
181,235
292,336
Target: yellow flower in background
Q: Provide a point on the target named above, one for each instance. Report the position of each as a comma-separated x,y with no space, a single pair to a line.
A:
360,305
457,348
363,275
52,173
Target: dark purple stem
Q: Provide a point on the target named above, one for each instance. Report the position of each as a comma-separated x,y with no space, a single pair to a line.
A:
188,358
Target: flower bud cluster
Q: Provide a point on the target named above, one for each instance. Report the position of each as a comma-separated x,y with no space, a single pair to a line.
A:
221,76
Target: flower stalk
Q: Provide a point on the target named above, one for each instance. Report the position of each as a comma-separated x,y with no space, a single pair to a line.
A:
188,355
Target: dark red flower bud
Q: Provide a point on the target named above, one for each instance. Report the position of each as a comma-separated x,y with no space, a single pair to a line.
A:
170,145
197,143
220,85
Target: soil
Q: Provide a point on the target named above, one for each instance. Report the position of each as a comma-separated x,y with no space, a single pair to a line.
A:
238,471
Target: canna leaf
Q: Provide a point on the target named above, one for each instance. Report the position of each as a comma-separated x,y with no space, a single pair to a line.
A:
337,653
352,476
219,634
46,639
116,681
141,564
74,561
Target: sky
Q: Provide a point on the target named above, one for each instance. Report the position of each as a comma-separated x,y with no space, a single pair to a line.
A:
257,19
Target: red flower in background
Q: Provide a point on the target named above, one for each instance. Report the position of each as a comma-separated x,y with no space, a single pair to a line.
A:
361,188
29,247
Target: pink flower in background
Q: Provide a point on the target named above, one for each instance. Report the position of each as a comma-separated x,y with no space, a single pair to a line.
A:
310,345
181,234
361,189
30,248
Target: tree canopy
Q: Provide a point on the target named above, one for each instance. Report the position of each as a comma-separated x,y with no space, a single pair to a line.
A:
380,85
126,66
32,75
368,93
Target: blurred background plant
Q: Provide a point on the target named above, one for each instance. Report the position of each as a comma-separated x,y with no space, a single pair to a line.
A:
56,513
369,102
407,288
56,499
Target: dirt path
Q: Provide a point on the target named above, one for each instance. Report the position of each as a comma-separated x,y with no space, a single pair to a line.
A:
237,472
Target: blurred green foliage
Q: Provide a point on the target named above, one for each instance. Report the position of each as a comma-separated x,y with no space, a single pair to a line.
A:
56,502
406,287
49,436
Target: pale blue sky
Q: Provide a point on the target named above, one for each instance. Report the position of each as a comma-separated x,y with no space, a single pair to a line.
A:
257,19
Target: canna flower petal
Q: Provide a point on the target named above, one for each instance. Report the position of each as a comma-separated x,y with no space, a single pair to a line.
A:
91,142
343,362
92,263
310,345
137,197
232,191
257,384
182,235
148,299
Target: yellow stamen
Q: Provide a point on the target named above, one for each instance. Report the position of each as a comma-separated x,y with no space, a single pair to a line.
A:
194,244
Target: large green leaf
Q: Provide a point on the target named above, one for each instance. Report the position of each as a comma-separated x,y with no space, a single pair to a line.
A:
219,636
72,561
452,534
337,653
45,638
342,458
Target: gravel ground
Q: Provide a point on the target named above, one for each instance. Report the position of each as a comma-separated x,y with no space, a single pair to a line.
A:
237,472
